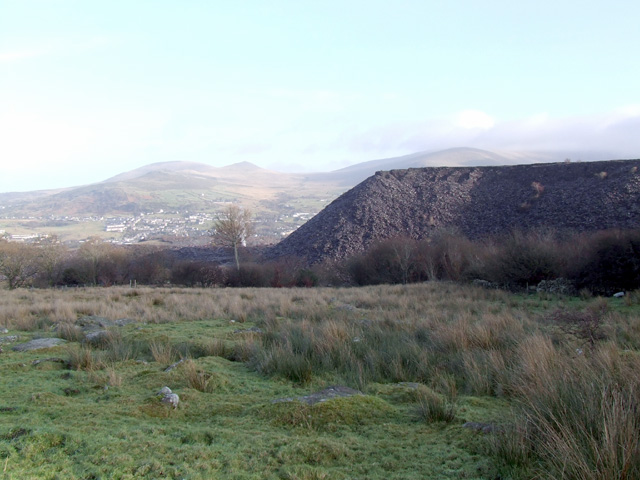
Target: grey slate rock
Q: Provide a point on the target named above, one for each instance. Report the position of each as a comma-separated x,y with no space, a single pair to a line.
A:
38,344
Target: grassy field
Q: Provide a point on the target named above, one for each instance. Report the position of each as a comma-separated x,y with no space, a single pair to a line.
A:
554,381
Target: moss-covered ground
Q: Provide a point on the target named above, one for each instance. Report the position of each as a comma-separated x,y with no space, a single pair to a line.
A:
102,419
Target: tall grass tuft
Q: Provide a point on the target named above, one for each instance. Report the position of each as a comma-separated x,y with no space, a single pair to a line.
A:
200,380
583,418
83,358
162,351
435,408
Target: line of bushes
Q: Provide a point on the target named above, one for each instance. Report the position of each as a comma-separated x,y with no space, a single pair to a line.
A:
602,263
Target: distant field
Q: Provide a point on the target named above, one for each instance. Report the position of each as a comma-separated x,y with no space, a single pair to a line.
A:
71,231
427,358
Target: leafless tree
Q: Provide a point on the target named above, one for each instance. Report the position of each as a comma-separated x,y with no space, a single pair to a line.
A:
232,228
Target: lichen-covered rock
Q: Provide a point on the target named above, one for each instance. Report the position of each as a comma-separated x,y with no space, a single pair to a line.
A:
164,391
38,344
328,393
331,413
171,399
560,286
485,428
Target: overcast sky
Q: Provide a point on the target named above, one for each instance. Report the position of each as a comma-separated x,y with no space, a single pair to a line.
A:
92,88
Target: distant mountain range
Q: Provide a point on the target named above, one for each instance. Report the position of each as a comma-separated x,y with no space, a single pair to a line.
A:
196,187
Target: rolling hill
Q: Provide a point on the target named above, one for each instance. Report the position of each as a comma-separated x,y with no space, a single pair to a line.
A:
184,188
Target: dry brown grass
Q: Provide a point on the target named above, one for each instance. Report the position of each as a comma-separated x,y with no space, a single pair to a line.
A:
162,351
199,379
578,407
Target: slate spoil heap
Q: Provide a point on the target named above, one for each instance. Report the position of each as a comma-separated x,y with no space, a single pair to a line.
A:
476,201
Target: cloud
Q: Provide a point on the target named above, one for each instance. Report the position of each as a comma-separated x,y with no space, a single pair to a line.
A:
614,133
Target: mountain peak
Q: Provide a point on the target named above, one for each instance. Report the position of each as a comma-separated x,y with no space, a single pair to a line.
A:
245,166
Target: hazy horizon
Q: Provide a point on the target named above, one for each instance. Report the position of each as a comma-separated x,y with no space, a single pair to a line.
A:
89,90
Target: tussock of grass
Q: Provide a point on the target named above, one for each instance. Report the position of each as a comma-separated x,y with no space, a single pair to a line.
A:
201,380
434,408
83,358
448,353
162,351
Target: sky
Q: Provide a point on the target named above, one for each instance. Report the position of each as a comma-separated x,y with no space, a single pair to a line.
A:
93,88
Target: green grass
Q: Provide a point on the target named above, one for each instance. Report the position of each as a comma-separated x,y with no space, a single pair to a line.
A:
102,419
56,423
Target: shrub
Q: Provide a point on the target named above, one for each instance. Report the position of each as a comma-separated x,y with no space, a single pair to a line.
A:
191,274
306,278
452,253
248,275
586,325
522,260
613,263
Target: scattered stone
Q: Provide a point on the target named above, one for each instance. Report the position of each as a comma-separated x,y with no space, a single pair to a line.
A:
51,359
164,391
346,307
322,396
95,336
560,286
174,365
95,320
171,399
4,330
618,295
9,339
121,322
484,284
39,344
485,428
249,330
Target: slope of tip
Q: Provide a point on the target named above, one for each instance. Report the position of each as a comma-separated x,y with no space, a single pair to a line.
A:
477,201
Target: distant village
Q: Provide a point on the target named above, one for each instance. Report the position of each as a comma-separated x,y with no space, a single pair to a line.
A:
182,227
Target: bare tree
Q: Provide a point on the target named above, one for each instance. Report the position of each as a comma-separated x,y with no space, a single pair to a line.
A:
404,255
17,264
232,228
